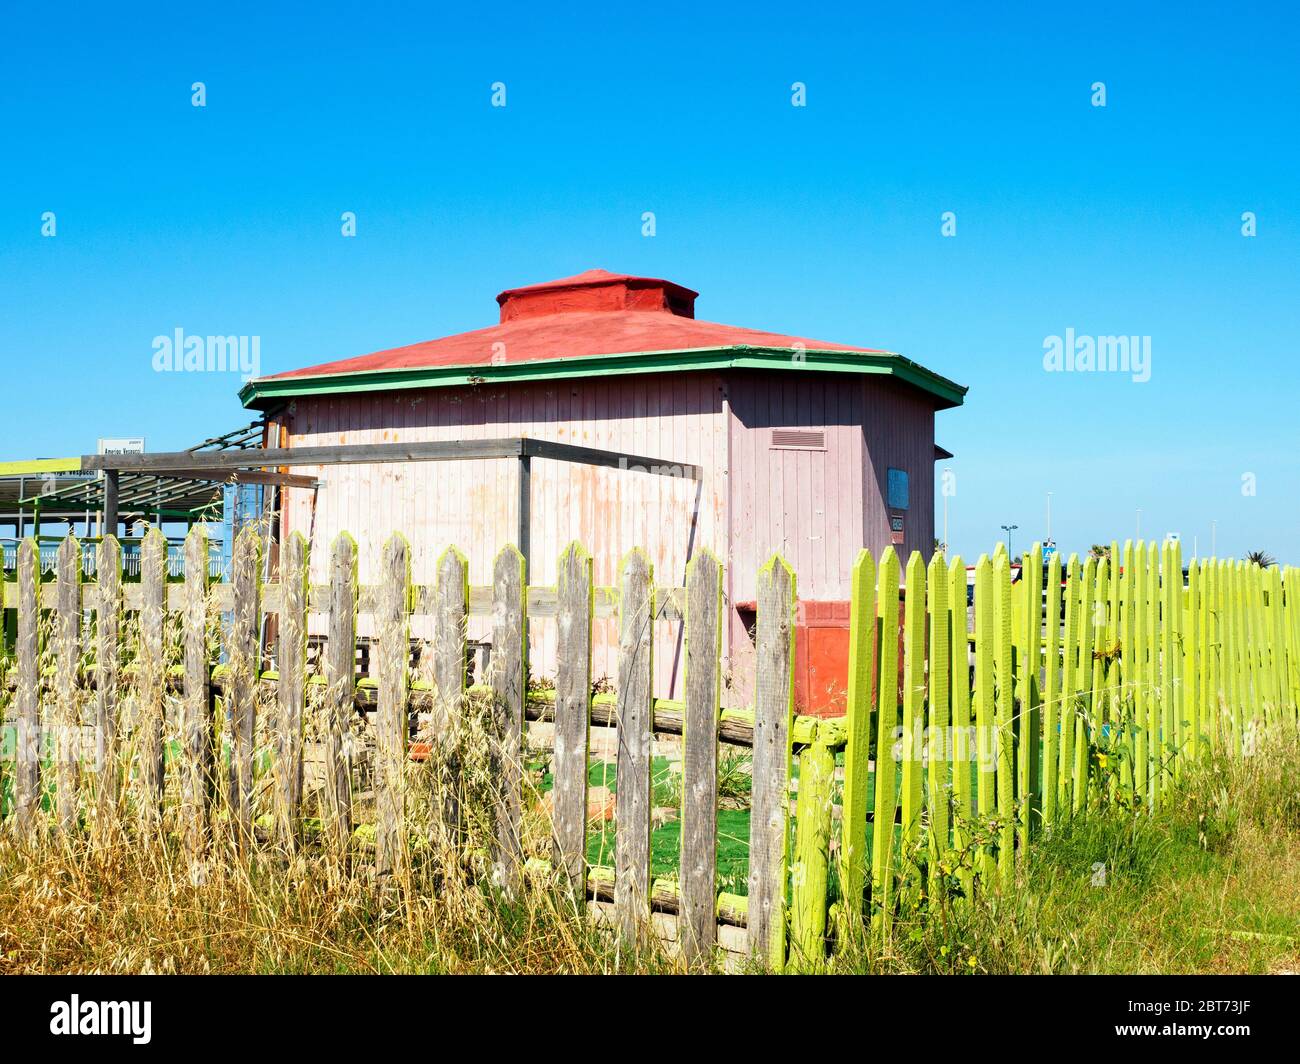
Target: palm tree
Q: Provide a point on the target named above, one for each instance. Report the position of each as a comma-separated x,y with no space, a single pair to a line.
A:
1262,558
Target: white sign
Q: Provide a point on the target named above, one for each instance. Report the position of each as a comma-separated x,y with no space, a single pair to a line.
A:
121,445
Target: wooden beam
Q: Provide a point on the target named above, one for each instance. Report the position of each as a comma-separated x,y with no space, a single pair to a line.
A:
525,509
345,454
196,463
567,452
240,476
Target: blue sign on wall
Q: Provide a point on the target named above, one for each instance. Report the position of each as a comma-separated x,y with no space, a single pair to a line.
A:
897,489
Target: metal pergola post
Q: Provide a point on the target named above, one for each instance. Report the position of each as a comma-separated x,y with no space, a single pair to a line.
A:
110,502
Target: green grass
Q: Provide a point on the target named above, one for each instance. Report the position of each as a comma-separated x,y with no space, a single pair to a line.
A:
1209,884
666,840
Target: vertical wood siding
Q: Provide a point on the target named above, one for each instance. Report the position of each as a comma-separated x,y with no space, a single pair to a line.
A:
474,504
817,507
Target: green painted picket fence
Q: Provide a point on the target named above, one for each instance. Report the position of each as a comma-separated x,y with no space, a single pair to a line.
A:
1067,695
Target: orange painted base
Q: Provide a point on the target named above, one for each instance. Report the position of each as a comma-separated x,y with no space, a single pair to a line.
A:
821,658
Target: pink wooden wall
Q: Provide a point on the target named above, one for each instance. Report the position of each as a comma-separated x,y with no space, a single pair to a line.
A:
818,507
474,504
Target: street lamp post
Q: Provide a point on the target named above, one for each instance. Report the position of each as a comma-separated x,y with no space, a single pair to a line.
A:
1008,529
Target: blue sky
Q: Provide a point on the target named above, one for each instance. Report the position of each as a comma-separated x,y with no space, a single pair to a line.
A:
822,220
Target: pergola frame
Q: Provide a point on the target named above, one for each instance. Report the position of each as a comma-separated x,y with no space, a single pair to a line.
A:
249,463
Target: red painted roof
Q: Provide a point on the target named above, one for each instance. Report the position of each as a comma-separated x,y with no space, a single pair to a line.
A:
592,313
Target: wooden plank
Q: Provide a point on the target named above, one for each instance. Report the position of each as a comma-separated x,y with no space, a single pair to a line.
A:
1051,707
886,800
810,874
1170,587
986,734
1092,630
243,666
108,622
939,726
67,686
1151,676
292,692
196,768
963,748
27,697
340,692
1135,657
1191,667
703,638
913,767
1210,637
342,454
567,452
1004,715
1029,734
392,726
151,688
509,685
635,715
572,691
1070,668
770,798
449,685
854,852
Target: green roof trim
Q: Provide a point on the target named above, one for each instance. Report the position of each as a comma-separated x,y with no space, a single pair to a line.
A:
265,391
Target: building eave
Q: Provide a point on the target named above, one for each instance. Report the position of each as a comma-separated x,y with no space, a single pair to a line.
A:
265,392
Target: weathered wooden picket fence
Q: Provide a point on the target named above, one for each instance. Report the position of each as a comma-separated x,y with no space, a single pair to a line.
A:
1100,688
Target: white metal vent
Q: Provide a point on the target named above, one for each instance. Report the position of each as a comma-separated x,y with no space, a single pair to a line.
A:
799,439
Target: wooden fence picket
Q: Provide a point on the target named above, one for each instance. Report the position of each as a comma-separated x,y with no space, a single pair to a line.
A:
340,684
108,627
887,706
912,765
509,687
196,768
1209,656
151,690
1190,674
697,921
291,688
1096,715
1070,667
244,653
811,867
1170,585
634,714
770,797
854,852
1081,716
939,721
449,633
1029,730
986,735
27,697
963,748
1051,707
1004,715
572,727
392,727
1135,669
1126,627
67,681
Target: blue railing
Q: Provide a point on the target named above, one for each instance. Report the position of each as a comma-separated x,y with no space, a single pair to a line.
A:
130,558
